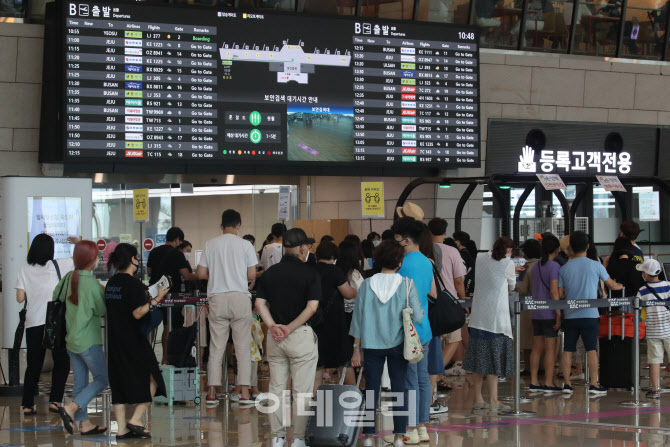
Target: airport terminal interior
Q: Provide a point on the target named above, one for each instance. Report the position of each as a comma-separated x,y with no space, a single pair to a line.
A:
506,119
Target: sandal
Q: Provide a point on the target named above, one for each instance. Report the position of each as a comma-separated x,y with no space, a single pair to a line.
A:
128,436
443,386
97,430
68,425
52,409
32,411
140,431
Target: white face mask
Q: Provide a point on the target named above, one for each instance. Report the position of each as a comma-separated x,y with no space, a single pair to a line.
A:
376,243
187,255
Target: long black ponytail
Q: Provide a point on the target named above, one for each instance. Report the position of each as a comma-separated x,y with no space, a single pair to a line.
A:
549,245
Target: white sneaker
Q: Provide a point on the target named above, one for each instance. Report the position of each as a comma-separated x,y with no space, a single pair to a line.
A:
237,398
368,442
412,437
423,434
390,439
298,443
578,377
278,442
456,370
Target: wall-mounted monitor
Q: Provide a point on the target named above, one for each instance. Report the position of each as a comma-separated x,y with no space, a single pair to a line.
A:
158,86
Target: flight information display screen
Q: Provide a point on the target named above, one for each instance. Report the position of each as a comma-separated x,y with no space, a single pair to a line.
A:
163,83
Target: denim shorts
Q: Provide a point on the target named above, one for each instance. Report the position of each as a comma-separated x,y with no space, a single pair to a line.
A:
435,361
587,328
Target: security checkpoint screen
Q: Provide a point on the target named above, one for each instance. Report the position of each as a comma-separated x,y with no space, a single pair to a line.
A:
165,83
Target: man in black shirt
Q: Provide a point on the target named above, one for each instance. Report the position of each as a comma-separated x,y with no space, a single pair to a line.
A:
288,295
168,260
173,238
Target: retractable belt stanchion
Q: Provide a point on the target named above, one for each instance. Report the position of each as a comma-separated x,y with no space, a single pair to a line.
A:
517,411
636,361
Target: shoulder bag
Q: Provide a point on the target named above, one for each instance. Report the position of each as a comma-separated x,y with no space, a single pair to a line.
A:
54,326
445,313
413,350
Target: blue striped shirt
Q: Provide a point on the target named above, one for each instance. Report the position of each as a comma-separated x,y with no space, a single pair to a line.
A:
658,317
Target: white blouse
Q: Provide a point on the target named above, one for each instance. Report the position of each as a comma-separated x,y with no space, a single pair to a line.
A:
494,281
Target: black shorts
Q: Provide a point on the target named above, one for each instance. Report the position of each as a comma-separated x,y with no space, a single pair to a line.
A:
587,328
177,317
544,328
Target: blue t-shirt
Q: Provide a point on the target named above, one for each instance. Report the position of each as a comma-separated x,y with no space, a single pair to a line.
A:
580,277
419,268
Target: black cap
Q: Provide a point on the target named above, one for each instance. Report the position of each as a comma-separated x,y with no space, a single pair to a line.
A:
296,237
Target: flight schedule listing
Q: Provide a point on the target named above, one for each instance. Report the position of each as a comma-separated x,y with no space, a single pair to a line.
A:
162,83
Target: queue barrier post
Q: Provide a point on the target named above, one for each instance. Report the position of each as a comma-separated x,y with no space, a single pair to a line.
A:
517,411
636,360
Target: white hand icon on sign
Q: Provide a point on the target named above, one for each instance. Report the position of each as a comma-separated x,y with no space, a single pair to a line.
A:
527,160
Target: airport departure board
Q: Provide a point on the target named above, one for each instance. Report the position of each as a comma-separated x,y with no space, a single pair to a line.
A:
225,86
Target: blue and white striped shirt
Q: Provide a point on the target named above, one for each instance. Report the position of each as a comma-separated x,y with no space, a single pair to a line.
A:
658,317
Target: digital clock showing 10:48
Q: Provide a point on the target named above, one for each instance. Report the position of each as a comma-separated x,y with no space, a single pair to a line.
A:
466,36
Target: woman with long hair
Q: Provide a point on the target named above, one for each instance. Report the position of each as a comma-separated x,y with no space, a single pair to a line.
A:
134,374
490,348
545,322
84,305
36,283
361,257
348,263
332,332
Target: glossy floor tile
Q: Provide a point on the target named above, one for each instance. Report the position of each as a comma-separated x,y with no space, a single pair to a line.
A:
559,420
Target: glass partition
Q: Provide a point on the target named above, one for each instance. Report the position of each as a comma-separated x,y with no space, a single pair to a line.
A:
445,11
388,9
644,29
197,213
597,27
547,25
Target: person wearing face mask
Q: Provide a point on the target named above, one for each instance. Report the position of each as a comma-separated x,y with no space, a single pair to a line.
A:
287,297
134,374
490,349
229,263
84,305
375,238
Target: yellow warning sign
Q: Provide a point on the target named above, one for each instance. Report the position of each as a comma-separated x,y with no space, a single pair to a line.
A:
141,205
372,199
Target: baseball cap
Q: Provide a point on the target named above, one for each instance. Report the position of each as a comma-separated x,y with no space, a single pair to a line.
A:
651,267
295,237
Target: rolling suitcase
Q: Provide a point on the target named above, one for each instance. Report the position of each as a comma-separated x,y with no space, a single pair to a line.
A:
616,357
341,432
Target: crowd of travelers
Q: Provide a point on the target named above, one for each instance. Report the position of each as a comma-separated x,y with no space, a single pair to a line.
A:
311,309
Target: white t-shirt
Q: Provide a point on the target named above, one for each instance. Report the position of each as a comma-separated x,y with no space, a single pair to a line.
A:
228,257
39,282
271,255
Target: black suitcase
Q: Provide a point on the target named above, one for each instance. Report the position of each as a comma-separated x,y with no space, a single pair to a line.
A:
180,344
616,362
616,359
341,432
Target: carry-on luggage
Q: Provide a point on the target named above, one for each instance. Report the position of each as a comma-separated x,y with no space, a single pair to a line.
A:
181,342
616,355
341,432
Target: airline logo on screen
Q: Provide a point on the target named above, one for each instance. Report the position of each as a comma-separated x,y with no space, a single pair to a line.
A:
577,162
134,154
